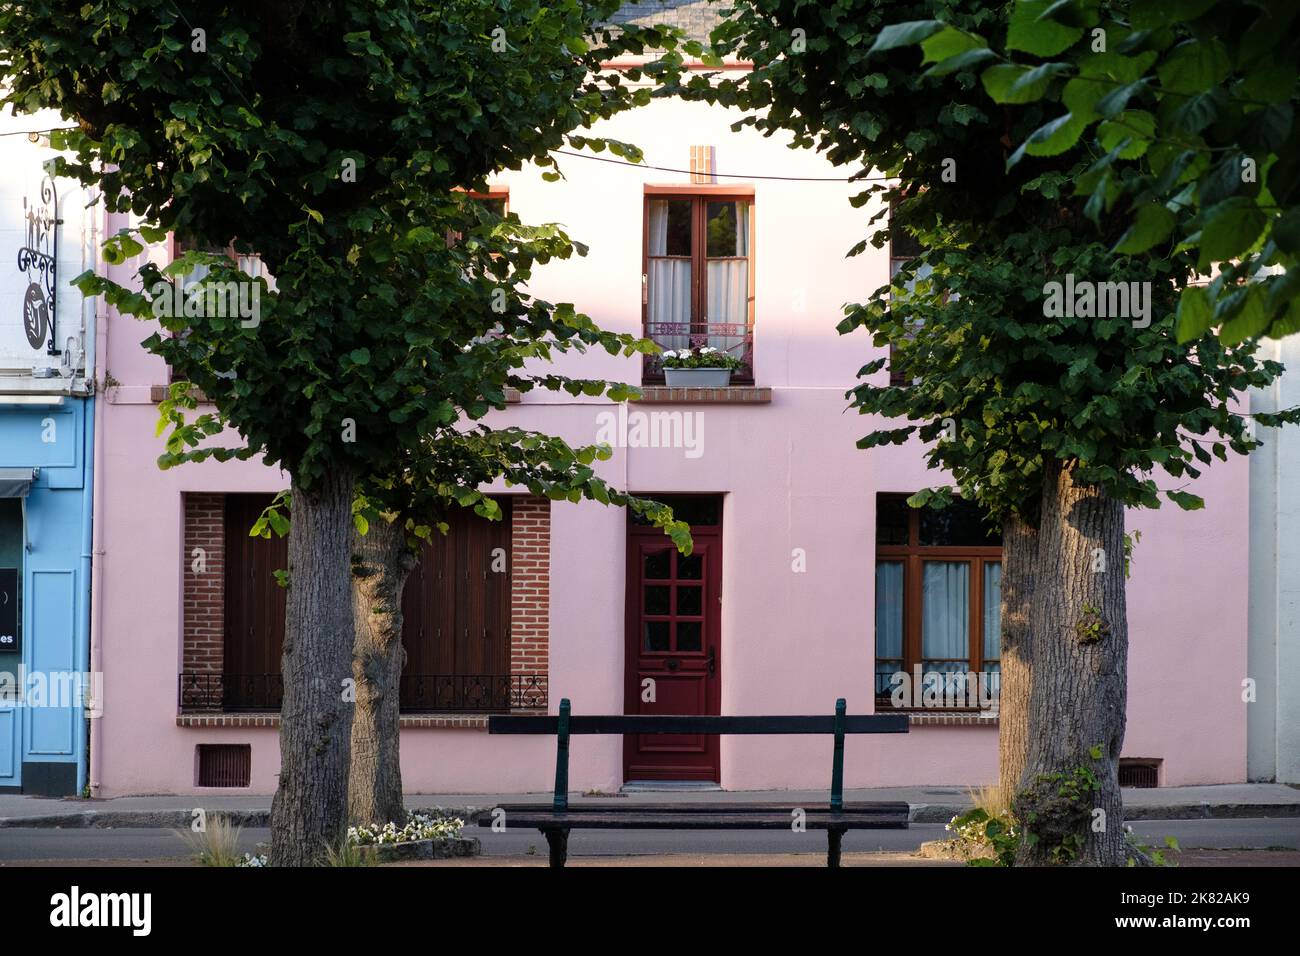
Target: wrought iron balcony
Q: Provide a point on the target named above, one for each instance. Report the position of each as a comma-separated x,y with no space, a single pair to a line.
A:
212,692
437,693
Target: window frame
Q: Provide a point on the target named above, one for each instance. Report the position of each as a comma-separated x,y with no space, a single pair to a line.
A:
700,195
913,557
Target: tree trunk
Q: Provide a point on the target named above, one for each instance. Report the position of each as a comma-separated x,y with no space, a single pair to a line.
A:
1019,556
381,564
310,808
1069,797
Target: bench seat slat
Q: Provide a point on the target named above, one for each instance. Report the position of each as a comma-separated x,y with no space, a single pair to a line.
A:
813,820
879,808
692,724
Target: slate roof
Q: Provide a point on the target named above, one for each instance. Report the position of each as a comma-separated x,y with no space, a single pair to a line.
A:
695,17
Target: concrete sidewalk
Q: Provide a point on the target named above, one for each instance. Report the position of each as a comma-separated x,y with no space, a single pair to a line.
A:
931,804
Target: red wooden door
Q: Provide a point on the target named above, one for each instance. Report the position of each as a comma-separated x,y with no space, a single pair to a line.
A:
674,605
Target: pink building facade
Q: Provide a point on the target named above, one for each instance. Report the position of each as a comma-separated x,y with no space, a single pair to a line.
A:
795,595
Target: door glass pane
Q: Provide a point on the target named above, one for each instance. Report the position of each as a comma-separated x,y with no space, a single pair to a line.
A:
11,608
889,622
945,613
655,635
670,227
728,229
689,600
703,510
727,275
657,565
690,635
656,599
691,567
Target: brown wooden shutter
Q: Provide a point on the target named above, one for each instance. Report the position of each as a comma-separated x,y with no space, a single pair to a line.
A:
456,612
255,606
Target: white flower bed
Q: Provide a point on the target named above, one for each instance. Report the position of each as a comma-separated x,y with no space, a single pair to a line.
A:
420,825
253,859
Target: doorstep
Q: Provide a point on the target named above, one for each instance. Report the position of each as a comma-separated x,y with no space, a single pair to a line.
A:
667,786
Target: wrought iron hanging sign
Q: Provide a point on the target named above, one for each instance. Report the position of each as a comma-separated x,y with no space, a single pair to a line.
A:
36,260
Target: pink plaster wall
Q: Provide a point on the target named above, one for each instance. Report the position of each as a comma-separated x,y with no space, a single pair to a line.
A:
791,643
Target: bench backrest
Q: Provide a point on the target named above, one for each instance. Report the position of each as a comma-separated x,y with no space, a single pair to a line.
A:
565,724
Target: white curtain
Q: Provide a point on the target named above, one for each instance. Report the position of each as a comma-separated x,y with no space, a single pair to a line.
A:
889,623
669,280
889,609
945,612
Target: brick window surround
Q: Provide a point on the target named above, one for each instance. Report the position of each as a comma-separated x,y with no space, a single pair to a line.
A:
203,584
530,586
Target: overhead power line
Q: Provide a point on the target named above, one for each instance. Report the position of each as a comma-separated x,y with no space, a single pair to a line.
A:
670,169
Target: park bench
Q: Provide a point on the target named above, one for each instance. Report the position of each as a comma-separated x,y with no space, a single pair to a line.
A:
556,819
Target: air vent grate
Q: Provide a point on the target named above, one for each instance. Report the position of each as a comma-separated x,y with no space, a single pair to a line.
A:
225,765
1139,773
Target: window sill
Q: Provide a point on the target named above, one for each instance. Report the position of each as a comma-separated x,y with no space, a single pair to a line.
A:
725,395
272,721
950,719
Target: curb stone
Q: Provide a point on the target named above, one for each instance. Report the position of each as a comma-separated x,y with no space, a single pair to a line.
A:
918,813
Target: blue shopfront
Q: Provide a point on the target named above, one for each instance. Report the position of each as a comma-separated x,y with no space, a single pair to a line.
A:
44,594
46,438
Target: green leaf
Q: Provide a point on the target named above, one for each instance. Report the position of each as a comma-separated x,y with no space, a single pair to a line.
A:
1230,229
1113,103
1006,83
1137,127
1030,34
948,43
1248,319
1186,500
1051,139
1155,14
1286,231
1194,314
1152,224
905,34
960,62
1194,66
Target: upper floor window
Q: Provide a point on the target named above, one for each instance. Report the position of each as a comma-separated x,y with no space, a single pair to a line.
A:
698,279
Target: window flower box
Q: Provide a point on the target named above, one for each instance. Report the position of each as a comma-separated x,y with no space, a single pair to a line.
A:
705,367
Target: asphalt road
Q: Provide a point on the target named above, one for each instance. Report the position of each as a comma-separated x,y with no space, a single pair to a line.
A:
20,844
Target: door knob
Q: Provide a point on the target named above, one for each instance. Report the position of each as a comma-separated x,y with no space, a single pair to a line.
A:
672,664
713,661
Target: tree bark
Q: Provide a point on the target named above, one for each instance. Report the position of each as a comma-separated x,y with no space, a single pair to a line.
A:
381,564
1019,556
1078,700
309,811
